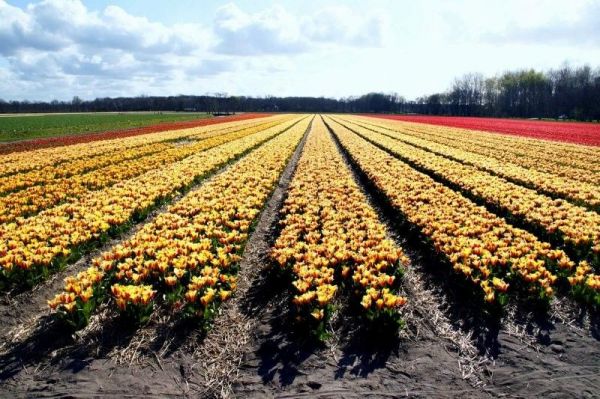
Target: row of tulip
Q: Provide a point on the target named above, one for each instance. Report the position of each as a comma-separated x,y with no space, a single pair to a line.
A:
578,192
19,162
575,227
80,166
188,256
479,245
38,197
331,236
586,283
518,138
545,160
50,173
29,247
580,155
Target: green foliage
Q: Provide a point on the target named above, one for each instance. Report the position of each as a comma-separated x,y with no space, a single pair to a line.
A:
587,295
13,128
80,317
139,314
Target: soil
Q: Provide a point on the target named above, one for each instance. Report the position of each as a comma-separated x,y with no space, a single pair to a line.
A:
449,347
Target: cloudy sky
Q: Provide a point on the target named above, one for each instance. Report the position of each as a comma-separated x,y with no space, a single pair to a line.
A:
55,49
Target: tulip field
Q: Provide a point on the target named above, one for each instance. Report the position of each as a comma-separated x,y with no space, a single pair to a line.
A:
229,252
569,132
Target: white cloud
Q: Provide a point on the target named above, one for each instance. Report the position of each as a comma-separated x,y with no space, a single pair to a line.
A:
59,45
58,24
576,23
20,30
344,26
276,31
272,31
61,48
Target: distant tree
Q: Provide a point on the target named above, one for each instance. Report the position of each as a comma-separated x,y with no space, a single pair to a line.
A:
76,104
574,92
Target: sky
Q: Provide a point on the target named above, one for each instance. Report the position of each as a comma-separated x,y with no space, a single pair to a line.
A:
56,49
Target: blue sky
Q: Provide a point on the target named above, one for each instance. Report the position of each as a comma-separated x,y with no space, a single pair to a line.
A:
55,49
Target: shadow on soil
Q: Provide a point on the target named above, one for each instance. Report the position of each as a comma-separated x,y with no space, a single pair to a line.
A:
285,344
51,335
366,349
283,348
54,341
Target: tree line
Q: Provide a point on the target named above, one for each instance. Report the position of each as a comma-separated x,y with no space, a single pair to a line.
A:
372,102
566,92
